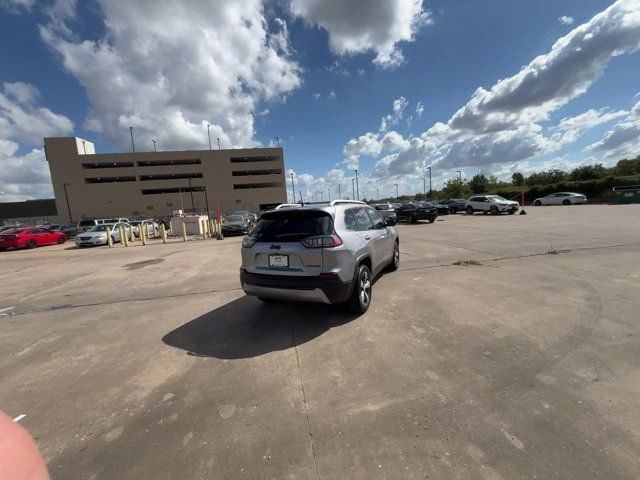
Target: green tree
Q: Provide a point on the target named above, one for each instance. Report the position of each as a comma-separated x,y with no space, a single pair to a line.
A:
479,183
517,179
455,188
546,178
627,167
588,172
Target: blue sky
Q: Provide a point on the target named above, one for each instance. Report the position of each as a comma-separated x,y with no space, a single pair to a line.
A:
322,76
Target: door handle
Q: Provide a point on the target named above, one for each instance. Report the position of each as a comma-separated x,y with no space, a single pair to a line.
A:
367,237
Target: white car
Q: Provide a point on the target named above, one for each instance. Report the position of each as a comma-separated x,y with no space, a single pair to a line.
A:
494,204
98,234
152,227
561,198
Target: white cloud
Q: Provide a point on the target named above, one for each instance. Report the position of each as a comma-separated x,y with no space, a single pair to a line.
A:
367,144
395,116
16,6
623,140
23,176
359,26
566,20
570,129
187,64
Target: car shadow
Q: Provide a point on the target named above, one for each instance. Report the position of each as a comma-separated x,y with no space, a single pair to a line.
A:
247,327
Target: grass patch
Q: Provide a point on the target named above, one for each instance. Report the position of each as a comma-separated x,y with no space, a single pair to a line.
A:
466,263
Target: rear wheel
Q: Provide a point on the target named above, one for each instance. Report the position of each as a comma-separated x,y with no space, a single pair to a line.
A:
395,260
61,240
494,210
537,203
32,244
431,220
469,210
361,296
566,202
454,210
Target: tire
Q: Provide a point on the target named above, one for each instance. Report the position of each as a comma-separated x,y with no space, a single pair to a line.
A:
454,210
566,202
537,203
31,244
361,296
413,219
61,240
395,259
494,210
469,210
511,212
431,220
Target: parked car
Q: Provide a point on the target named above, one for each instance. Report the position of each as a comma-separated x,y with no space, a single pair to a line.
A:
30,237
494,204
412,212
561,198
150,226
69,229
98,234
88,224
52,227
383,206
440,208
237,225
455,204
319,253
8,227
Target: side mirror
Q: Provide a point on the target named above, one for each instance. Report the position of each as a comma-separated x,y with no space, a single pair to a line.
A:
389,221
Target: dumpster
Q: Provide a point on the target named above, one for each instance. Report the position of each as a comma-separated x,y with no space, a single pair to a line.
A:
626,194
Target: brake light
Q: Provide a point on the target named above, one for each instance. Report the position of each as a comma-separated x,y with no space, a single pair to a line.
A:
328,275
248,242
322,241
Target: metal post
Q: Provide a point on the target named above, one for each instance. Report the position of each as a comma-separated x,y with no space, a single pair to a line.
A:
353,188
357,188
339,191
278,141
430,190
293,188
217,138
154,146
397,195
329,193
66,196
209,135
424,186
377,193
133,146
206,199
193,207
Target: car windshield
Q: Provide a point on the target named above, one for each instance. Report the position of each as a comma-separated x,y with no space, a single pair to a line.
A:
235,218
102,228
497,198
292,226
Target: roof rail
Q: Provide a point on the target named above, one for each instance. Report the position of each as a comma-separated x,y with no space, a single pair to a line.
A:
340,202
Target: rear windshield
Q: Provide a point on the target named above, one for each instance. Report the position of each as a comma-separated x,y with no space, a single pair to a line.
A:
86,223
292,226
12,231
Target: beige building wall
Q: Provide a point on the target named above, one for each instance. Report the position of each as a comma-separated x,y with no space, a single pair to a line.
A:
148,184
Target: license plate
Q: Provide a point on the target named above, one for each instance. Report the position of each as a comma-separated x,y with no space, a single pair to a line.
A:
278,260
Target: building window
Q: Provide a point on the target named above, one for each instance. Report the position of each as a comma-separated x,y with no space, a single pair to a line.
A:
170,176
243,186
109,179
162,163
245,173
162,191
108,165
253,159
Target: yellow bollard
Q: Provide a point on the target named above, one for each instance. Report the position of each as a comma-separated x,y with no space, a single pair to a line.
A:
143,234
109,239
204,231
206,228
133,235
184,232
211,229
171,229
125,236
163,232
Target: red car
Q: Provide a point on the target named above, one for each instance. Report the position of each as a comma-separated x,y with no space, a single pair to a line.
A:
30,237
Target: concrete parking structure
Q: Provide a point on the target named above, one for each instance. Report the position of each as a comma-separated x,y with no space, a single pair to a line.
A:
504,347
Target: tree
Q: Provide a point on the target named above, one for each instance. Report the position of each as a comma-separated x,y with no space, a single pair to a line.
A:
627,167
546,178
479,183
518,179
588,172
455,188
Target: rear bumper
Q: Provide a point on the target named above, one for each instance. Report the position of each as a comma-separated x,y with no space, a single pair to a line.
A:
306,289
11,244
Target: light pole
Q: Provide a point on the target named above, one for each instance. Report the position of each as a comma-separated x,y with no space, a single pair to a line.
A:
430,191
339,190
357,188
353,188
154,146
66,196
293,188
193,207
321,196
278,141
209,135
133,146
424,186
459,172
377,193
218,138
397,195
329,189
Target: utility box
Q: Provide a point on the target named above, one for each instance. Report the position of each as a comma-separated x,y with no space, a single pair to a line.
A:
626,194
193,224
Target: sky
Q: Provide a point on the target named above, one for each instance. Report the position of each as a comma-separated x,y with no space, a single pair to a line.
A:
387,87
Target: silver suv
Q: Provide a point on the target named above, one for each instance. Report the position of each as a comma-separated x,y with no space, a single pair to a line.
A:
319,253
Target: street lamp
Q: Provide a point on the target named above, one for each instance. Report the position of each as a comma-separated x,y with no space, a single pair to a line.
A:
397,195
459,172
430,191
154,146
353,188
357,188
293,188
209,135
377,193
217,138
66,196
329,189
193,207
133,146
278,141
339,190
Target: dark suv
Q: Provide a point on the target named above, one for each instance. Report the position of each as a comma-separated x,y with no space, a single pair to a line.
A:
412,212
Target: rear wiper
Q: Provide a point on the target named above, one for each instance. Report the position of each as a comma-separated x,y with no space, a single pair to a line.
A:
295,234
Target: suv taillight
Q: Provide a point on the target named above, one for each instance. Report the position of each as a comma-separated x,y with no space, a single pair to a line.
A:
248,242
322,241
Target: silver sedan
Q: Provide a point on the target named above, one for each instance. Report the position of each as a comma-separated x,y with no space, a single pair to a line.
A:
561,198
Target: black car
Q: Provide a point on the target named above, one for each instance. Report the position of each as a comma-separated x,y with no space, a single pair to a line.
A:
236,224
412,212
455,204
440,208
